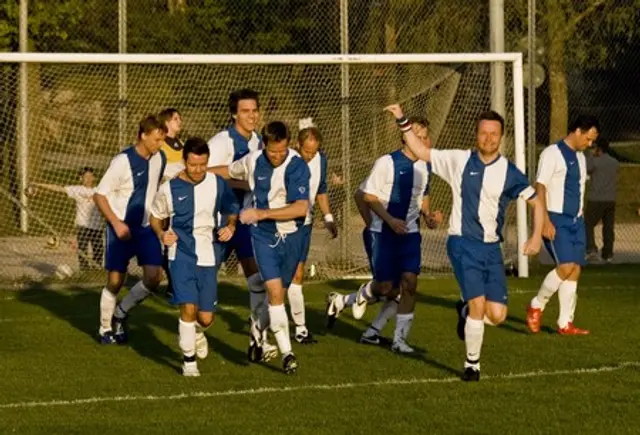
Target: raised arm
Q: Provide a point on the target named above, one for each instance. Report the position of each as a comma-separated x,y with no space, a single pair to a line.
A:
51,187
414,143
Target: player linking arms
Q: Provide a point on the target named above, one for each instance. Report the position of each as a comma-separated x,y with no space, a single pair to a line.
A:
124,197
309,141
192,202
562,175
279,180
482,184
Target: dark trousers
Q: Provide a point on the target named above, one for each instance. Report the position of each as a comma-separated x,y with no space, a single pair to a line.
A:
600,211
86,237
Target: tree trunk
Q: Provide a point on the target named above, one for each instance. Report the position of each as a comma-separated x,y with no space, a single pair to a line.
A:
558,89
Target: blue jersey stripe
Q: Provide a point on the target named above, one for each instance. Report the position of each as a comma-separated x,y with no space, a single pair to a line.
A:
182,194
134,214
472,180
262,178
402,188
571,203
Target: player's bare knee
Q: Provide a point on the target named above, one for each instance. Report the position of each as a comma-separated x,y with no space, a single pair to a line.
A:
188,312
115,281
409,284
497,316
384,289
206,319
275,291
249,266
299,276
477,307
565,270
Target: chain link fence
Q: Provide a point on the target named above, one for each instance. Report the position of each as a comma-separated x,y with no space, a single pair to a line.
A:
73,118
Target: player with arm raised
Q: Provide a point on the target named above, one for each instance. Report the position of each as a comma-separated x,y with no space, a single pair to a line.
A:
309,142
562,175
124,197
279,180
191,202
482,184
226,147
394,192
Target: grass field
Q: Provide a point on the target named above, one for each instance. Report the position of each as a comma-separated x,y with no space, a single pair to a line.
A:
57,379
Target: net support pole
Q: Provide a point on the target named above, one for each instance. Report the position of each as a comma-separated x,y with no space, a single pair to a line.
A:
521,162
345,131
122,73
496,22
23,118
531,91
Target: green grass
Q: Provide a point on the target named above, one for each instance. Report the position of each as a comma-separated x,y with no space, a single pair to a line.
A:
49,353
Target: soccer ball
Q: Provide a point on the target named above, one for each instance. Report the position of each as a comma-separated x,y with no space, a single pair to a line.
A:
63,271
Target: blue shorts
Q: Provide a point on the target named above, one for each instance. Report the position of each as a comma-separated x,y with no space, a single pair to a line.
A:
478,268
144,245
393,255
240,243
366,239
569,245
306,242
194,284
277,257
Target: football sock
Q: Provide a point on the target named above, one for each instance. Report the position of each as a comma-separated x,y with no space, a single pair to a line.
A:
280,327
296,303
137,294
387,311
473,335
403,326
549,286
567,296
107,306
187,338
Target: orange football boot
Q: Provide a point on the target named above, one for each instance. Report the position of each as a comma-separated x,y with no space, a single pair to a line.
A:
534,319
571,329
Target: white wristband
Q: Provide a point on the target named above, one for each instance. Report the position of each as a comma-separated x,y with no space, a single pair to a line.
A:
328,218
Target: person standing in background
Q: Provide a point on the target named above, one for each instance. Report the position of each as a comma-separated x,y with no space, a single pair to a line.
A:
602,169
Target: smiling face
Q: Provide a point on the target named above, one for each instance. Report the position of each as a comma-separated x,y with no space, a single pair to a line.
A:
309,148
488,137
88,179
196,166
247,116
277,151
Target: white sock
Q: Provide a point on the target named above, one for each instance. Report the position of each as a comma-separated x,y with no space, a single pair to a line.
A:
567,296
473,335
187,337
387,311
350,299
548,288
280,327
107,305
137,294
296,303
258,302
403,326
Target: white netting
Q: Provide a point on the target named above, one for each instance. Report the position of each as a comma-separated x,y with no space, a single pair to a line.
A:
73,122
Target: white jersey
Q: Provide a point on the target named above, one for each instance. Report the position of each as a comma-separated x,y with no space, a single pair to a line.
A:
193,210
87,214
480,192
317,182
274,187
563,172
130,184
400,184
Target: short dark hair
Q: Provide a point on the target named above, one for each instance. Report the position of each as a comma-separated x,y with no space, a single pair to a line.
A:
149,124
165,115
275,131
584,123
490,115
241,94
195,145
415,120
309,132
86,169
603,144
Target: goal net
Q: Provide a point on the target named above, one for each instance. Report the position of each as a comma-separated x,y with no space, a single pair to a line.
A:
64,112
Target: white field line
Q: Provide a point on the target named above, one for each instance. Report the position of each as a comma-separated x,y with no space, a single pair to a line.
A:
313,387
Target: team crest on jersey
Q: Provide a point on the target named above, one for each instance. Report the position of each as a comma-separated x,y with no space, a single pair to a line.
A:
302,189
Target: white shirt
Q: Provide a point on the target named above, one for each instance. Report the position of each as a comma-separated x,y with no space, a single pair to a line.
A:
130,184
317,182
193,210
563,172
87,214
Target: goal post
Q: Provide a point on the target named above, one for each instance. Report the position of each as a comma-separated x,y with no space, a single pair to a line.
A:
71,111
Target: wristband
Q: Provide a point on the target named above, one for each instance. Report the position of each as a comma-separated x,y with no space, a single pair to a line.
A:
404,124
328,218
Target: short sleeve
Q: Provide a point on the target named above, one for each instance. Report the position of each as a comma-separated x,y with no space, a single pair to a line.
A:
113,177
160,205
379,176
220,152
446,163
517,184
322,187
226,202
240,169
296,179
546,165
79,192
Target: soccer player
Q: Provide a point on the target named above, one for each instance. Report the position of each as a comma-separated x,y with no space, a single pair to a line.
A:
124,197
309,142
226,147
394,192
191,202
88,219
172,148
482,183
279,180
562,174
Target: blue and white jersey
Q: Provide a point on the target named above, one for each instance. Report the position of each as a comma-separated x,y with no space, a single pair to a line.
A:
274,187
317,182
563,172
480,192
400,184
193,210
130,184
228,146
